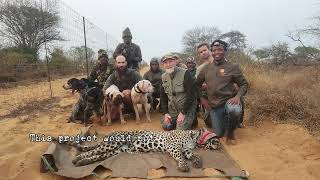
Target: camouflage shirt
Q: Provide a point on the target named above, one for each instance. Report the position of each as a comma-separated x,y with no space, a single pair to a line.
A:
220,77
131,52
101,73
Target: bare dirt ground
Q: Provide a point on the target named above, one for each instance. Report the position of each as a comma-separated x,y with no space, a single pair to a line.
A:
270,151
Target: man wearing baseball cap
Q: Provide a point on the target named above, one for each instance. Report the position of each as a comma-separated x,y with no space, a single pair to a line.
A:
223,102
129,50
177,96
103,69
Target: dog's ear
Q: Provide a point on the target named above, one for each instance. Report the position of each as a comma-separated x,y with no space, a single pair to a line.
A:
118,99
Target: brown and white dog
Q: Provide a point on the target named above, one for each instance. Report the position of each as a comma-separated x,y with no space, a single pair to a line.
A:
139,95
113,98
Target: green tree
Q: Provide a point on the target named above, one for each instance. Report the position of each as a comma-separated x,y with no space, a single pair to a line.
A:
78,54
280,53
262,53
235,39
306,51
13,56
58,58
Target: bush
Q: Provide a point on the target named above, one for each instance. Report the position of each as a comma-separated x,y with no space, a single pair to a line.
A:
284,94
13,56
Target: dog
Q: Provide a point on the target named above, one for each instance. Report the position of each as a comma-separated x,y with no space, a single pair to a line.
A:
113,98
90,100
139,95
78,84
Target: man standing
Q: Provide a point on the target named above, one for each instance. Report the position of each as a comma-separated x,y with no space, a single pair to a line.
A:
129,50
177,96
223,98
191,65
102,70
154,76
124,78
204,55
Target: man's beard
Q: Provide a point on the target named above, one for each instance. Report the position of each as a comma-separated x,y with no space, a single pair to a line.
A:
170,70
104,63
121,70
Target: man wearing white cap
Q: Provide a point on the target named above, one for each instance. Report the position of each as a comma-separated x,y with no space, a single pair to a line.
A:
177,96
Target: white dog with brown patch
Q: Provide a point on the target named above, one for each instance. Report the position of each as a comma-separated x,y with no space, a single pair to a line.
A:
113,98
139,95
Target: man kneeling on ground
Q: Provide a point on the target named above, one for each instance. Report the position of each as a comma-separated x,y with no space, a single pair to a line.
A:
177,96
124,78
223,98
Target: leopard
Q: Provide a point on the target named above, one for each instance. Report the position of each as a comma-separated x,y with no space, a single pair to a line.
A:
179,144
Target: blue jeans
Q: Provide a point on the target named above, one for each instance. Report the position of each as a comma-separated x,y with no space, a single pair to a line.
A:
225,117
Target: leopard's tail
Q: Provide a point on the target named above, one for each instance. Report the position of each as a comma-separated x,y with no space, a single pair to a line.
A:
78,146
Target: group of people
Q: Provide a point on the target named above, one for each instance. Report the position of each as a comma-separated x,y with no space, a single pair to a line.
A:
217,85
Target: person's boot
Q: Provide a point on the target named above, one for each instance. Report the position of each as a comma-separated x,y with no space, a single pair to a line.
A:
231,140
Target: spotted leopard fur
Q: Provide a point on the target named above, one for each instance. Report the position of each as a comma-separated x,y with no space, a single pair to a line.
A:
178,143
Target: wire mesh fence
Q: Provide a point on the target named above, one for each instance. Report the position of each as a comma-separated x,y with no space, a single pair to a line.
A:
52,40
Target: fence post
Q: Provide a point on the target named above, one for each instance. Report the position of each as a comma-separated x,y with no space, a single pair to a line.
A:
46,49
85,44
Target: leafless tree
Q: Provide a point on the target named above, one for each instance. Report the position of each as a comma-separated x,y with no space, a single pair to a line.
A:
197,35
27,26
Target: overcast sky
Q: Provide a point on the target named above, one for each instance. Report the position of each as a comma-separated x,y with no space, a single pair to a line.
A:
158,25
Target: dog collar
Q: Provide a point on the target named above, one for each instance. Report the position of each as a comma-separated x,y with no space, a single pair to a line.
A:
138,90
205,136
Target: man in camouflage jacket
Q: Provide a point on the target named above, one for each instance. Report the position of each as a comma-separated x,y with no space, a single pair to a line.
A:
102,70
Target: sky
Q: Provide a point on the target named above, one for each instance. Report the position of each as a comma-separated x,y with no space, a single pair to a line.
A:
157,26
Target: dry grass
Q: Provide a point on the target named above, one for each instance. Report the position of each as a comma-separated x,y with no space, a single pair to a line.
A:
24,97
290,94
